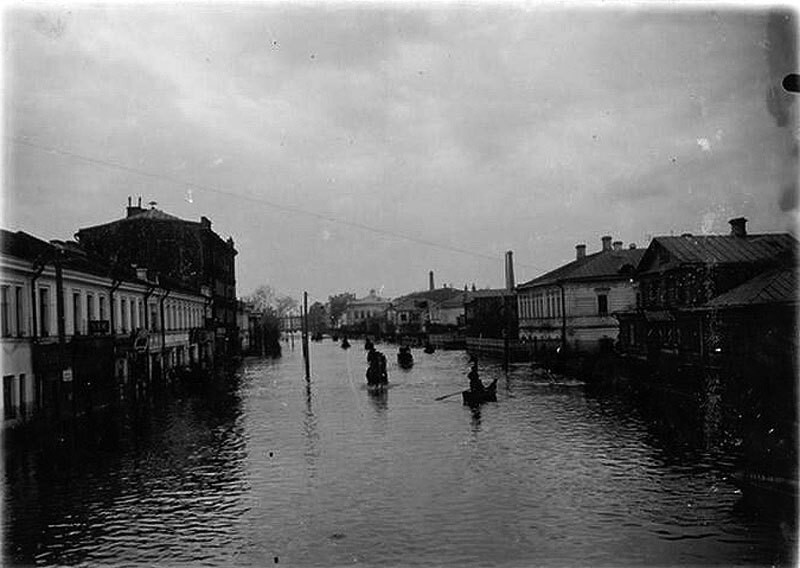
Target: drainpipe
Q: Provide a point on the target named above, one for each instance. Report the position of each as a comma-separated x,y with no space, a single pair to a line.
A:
163,332
114,285
563,319
34,278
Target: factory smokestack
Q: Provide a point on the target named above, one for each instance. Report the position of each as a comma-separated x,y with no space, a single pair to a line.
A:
509,270
430,281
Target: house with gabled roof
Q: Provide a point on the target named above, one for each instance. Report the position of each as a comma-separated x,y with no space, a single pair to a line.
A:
572,306
681,275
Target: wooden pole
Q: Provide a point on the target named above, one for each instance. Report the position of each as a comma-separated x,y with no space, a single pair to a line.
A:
306,356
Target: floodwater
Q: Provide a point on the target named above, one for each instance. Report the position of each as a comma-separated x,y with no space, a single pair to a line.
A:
271,470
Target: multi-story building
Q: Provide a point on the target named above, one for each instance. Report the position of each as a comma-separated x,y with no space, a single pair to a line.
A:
77,332
366,315
679,277
572,306
186,252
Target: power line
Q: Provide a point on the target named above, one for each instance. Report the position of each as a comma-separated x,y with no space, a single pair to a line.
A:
274,205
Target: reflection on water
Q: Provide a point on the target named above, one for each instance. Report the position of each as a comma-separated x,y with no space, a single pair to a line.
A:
330,473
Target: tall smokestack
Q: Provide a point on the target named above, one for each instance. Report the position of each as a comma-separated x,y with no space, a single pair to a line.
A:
430,281
509,270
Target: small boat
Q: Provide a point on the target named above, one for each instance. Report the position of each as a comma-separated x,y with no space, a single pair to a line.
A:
429,348
316,337
376,372
404,358
345,344
474,398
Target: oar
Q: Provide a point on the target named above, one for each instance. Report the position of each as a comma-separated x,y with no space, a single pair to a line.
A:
447,395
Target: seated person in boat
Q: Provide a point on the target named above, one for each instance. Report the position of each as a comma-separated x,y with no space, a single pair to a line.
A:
475,383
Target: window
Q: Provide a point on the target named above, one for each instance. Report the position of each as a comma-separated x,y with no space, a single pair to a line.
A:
129,321
5,311
9,410
602,304
44,312
89,307
19,304
102,307
76,313
123,320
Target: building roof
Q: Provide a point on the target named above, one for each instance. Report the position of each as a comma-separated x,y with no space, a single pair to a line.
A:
488,293
456,301
775,286
598,266
22,245
723,249
371,298
73,257
436,296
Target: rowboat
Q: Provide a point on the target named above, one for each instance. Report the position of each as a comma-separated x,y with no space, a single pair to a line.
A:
489,394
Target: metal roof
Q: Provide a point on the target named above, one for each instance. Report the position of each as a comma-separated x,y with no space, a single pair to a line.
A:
723,249
776,286
597,266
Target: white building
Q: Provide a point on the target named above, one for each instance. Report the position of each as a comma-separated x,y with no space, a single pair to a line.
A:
75,331
573,304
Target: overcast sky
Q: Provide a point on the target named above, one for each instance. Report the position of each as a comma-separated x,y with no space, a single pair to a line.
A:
480,128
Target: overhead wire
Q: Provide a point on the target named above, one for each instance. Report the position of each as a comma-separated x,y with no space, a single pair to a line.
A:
257,199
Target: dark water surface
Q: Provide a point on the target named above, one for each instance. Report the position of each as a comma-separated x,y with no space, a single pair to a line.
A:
330,474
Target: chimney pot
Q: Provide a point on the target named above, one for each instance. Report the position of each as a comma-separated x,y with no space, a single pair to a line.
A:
580,251
606,242
738,227
617,245
632,246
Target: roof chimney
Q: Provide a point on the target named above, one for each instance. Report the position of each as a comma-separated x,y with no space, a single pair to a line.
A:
130,211
738,227
205,222
509,270
430,281
580,251
606,243
617,245
632,246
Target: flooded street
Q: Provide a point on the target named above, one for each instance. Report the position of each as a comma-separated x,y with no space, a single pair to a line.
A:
272,470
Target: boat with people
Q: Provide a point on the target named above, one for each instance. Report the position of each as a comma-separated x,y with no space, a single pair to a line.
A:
345,344
376,371
429,348
404,357
475,397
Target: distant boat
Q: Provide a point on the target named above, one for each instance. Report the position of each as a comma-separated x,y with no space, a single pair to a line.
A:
429,348
489,394
316,337
345,344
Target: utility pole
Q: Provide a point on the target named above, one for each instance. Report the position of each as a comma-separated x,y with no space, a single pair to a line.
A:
305,336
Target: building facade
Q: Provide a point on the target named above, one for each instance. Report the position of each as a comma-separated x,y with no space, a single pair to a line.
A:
680,277
78,333
186,252
572,306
